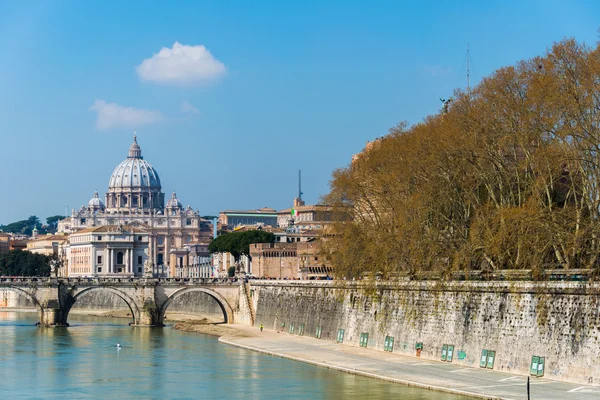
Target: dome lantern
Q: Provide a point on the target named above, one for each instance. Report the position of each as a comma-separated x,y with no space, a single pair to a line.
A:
134,150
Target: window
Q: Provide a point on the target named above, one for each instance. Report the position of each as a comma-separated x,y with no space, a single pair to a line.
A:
159,240
99,269
139,259
120,258
99,237
139,238
139,269
99,260
82,221
188,221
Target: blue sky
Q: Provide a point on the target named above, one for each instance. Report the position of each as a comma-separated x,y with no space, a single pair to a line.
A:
278,86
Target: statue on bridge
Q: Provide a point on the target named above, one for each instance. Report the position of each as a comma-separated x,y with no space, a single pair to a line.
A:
148,270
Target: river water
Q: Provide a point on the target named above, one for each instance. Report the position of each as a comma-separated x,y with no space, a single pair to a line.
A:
81,362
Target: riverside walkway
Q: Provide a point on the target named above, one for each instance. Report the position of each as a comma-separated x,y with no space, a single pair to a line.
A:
413,371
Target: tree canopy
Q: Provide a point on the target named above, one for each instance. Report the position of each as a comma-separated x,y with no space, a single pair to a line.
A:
24,263
506,176
238,243
24,226
53,222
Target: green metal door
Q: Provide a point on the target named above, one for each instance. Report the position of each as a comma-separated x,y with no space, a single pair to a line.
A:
490,359
388,344
450,353
340,336
483,361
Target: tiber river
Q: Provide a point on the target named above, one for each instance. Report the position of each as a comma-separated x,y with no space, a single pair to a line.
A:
81,362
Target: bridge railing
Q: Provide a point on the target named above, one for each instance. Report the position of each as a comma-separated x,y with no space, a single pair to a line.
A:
117,280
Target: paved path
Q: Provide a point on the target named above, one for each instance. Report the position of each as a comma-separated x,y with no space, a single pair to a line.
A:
413,371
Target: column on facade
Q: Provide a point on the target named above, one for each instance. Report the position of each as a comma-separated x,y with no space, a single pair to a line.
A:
154,249
93,265
110,261
131,261
186,261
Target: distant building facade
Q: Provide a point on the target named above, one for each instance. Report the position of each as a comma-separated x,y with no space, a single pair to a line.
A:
108,250
230,219
48,245
311,217
5,239
194,261
135,198
289,260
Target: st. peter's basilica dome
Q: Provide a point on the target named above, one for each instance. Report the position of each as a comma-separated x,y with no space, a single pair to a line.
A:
134,172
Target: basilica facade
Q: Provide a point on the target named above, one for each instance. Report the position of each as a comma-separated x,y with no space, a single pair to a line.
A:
135,198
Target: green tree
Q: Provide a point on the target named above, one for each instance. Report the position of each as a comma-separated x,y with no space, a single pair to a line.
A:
24,226
24,263
231,271
238,243
52,222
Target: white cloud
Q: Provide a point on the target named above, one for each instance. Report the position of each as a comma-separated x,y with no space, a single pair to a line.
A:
113,116
181,65
189,108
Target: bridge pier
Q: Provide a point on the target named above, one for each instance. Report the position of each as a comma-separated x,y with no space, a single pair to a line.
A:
51,315
149,316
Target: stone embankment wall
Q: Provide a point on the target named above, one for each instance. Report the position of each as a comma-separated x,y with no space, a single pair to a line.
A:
556,320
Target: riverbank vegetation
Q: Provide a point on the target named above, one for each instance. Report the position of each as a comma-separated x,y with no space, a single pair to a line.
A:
506,176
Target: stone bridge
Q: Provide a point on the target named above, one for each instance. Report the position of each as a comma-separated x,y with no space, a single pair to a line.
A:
147,298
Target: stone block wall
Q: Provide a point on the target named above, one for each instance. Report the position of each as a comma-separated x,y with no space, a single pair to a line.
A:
556,320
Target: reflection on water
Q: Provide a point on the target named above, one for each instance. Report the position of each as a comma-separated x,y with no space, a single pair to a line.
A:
160,363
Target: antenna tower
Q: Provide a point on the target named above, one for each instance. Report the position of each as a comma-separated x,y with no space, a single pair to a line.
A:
468,69
300,184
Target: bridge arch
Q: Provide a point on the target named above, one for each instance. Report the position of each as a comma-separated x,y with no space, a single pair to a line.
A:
24,293
29,296
133,307
223,304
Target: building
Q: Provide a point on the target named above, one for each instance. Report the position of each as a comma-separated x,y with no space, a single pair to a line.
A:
4,242
194,261
311,217
230,219
289,260
134,198
109,250
18,244
47,245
